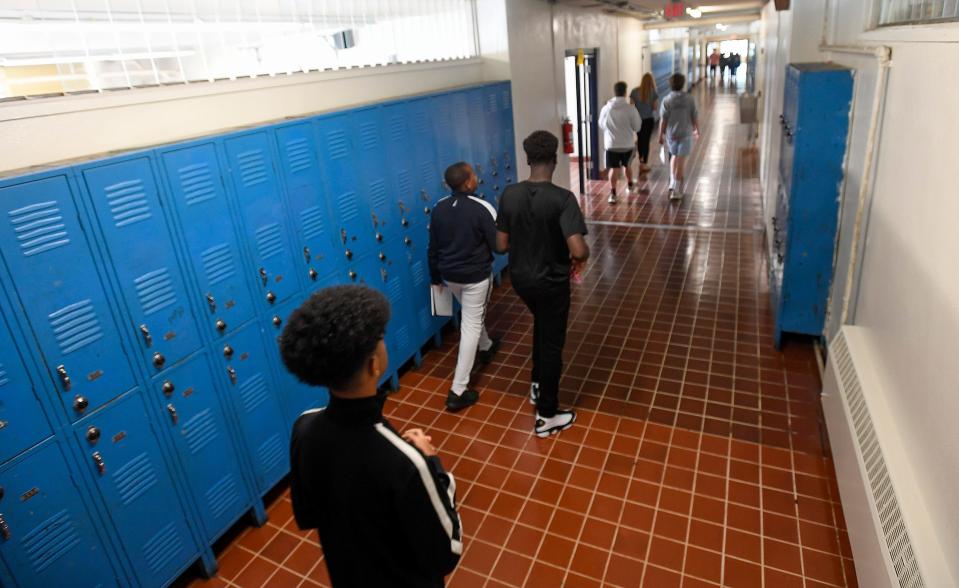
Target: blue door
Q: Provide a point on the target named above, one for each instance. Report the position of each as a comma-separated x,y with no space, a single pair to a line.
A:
22,420
51,539
372,170
197,195
244,367
257,193
297,396
400,151
307,196
347,201
64,299
127,205
122,456
197,423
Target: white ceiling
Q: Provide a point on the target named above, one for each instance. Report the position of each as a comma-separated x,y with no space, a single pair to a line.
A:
653,9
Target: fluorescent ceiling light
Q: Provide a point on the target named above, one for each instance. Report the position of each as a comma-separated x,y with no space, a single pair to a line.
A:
721,26
694,12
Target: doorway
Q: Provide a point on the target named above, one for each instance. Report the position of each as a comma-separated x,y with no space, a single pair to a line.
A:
580,67
736,77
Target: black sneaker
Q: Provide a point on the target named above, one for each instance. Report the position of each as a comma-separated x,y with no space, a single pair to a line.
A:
457,402
562,420
486,357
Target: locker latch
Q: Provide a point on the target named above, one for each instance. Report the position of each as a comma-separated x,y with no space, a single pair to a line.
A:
349,254
211,302
173,415
168,388
80,403
263,277
220,325
158,360
270,297
277,321
232,373
407,240
147,337
93,435
227,351
382,256
313,274
306,254
64,378
98,460
4,528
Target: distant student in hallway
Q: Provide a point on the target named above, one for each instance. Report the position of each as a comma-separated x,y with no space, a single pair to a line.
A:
620,123
542,227
646,101
680,123
462,241
714,63
383,505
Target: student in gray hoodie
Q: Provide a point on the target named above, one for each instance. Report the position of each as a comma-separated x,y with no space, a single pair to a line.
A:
620,122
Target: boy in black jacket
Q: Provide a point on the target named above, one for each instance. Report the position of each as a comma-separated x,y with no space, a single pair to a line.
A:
383,505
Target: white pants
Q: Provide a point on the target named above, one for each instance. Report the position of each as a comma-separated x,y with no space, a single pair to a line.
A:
473,298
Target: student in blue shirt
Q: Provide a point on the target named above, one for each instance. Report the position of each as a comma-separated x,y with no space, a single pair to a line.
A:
680,124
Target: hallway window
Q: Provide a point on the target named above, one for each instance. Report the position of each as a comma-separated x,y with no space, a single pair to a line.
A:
64,46
896,12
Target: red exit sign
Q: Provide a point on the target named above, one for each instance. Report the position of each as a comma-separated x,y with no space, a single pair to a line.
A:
675,10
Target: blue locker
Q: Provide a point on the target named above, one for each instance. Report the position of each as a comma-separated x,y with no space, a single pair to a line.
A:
815,121
402,159
127,205
508,156
419,272
372,175
428,170
23,423
244,367
462,139
257,193
346,201
52,541
444,136
197,423
123,458
308,208
197,195
479,140
64,300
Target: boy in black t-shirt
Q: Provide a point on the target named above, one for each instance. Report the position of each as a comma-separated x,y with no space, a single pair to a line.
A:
542,227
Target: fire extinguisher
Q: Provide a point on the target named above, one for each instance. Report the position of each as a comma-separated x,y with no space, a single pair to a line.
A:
567,135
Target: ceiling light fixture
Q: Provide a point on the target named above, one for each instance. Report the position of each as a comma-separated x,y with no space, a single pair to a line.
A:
694,12
721,26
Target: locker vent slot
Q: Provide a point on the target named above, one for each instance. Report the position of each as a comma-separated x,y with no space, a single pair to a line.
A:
269,240
75,326
428,174
4,380
222,495
155,291
404,182
337,144
378,196
200,431
425,320
271,452
419,274
218,263
397,130
347,205
196,181
39,227
403,337
369,138
312,222
421,122
298,155
135,478
128,202
252,166
491,105
162,548
50,540
253,393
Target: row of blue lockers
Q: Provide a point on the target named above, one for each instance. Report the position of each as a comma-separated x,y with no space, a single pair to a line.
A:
143,405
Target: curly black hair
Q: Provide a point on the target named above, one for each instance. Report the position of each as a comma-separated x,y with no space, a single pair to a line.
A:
540,147
457,174
329,337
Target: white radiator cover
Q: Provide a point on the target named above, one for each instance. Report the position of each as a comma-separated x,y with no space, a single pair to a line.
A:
893,539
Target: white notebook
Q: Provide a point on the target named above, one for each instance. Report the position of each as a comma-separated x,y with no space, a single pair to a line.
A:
441,300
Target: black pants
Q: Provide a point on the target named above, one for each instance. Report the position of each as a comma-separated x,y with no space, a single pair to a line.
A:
644,135
550,308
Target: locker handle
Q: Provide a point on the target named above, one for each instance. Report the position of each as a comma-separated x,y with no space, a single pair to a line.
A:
407,240
352,275
93,434
220,325
313,274
173,415
211,302
263,277
64,378
158,360
349,254
98,460
379,237
4,528
306,254
80,403
147,337
382,256
277,321
405,222
168,388
227,351
426,210
232,373
270,297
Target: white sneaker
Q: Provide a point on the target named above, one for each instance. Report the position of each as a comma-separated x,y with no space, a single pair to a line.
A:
533,393
563,420
612,198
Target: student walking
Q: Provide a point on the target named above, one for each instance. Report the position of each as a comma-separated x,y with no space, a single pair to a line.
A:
542,227
462,241
646,101
714,63
680,124
620,123
383,505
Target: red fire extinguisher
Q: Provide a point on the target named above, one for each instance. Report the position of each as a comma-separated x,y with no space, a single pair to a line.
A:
567,135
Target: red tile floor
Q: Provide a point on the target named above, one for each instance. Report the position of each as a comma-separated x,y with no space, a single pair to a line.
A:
699,458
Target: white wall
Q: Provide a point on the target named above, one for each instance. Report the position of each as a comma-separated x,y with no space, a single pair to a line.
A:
41,132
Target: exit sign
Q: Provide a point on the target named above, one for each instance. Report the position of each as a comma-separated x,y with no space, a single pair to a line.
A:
675,10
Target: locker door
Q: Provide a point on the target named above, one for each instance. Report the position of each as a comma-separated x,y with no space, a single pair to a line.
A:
23,423
123,457
445,140
508,157
401,332
198,426
127,205
297,396
243,365
198,198
428,175
261,207
478,140
426,323
401,155
371,161
309,212
347,202
461,126
494,144
64,299
51,539
364,271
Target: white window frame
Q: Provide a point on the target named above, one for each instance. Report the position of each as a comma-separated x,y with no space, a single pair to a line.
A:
939,31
